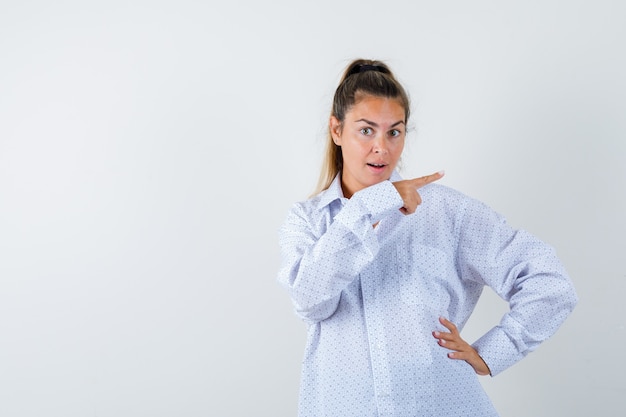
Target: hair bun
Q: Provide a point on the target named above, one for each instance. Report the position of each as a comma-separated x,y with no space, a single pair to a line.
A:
368,67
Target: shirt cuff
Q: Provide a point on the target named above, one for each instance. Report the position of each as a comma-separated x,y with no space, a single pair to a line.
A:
367,207
374,203
497,350
381,200
378,201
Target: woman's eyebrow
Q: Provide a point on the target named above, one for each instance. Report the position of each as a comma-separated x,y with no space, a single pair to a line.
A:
376,125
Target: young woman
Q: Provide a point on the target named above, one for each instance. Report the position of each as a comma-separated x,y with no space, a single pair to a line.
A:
386,272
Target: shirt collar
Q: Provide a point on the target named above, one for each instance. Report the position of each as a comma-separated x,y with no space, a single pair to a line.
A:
334,191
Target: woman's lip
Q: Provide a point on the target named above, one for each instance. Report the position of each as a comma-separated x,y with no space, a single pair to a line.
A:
377,168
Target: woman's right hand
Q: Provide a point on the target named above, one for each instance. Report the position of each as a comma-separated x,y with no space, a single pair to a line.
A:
408,191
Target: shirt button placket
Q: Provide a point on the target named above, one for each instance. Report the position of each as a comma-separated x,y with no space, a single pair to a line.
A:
378,352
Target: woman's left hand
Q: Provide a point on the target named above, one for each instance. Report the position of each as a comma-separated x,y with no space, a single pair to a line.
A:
461,349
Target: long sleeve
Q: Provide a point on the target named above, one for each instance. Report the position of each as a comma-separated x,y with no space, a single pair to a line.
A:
321,256
523,271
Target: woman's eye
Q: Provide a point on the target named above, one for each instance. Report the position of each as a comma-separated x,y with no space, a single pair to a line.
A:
394,133
366,131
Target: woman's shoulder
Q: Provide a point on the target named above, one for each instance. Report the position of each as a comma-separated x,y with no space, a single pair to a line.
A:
452,201
444,194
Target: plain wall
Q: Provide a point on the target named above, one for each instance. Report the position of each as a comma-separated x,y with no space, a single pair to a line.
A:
149,152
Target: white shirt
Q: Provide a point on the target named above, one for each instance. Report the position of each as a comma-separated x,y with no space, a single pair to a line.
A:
373,296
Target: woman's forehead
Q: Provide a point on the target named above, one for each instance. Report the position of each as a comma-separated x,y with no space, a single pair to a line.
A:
377,109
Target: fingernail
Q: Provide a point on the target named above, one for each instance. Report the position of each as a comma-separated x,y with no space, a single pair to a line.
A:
451,355
437,334
442,172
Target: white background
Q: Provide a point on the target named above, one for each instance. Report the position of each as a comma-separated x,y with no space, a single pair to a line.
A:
149,152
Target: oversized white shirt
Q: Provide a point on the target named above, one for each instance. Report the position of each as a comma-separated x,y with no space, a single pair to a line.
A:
373,296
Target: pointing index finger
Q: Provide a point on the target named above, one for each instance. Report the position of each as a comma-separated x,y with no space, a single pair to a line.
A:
427,179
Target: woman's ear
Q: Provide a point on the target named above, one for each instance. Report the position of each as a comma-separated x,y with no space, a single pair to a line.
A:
334,125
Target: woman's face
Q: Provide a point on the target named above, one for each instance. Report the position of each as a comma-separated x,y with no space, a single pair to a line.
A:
371,140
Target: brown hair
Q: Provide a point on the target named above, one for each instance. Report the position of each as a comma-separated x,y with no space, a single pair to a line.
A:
361,77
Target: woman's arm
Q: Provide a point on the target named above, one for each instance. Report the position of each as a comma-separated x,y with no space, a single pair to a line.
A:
523,271
319,261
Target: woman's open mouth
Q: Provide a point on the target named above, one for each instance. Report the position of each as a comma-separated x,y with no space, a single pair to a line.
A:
377,168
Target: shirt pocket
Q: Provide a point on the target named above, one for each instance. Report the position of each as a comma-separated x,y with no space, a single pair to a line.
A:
423,275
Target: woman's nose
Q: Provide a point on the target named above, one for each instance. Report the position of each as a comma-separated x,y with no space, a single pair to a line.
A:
380,146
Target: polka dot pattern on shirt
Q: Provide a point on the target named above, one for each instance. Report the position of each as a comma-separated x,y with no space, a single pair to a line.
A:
372,297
